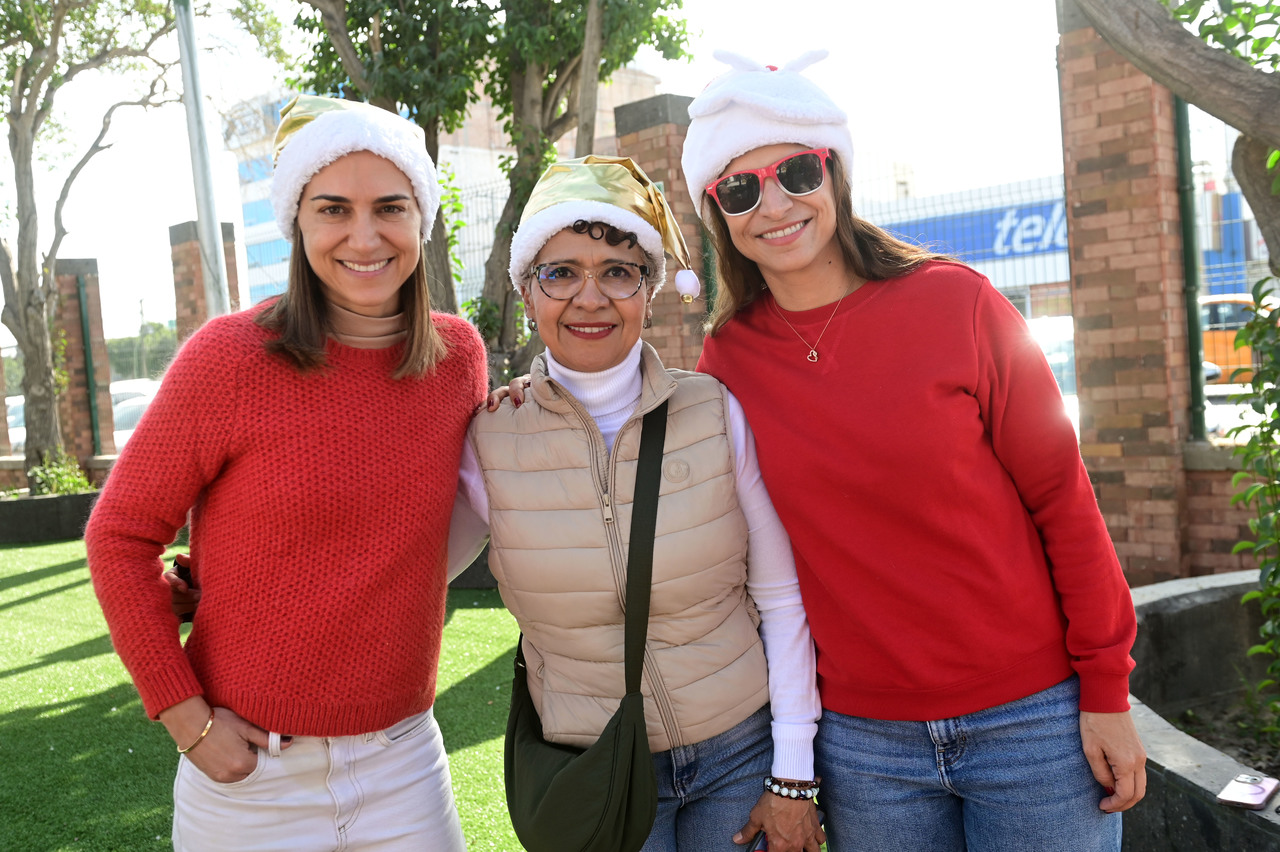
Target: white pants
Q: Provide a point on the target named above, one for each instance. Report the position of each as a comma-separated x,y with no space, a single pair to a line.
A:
388,791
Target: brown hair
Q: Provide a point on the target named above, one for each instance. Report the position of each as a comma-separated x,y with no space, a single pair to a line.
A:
869,252
301,319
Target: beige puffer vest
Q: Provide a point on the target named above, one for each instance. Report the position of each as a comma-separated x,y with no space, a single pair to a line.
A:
560,521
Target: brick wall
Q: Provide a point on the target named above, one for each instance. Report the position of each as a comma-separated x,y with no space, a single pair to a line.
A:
1213,525
652,133
1126,290
75,403
188,275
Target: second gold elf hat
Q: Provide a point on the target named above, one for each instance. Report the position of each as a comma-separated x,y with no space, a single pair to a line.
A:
601,189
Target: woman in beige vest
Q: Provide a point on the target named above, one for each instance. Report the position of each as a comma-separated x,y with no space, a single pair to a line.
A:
729,682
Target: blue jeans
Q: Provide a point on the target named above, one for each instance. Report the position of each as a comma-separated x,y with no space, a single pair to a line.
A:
1013,777
706,790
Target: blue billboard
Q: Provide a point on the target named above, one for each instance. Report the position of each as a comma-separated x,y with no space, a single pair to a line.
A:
996,233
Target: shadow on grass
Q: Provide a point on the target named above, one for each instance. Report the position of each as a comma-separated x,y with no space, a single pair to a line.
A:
474,710
21,579
89,773
79,651
45,594
471,599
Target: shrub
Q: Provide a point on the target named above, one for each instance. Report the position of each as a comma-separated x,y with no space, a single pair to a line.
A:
58,474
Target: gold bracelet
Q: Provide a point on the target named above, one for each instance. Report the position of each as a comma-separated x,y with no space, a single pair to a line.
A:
203,734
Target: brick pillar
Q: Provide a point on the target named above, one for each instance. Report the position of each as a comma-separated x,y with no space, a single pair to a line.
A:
188,275
74,403
1126,290
652,133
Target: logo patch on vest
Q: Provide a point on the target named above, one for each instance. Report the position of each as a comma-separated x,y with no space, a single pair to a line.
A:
676,470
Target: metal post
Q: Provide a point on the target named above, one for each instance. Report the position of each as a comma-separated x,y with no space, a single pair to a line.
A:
212,260
91,379
1190,267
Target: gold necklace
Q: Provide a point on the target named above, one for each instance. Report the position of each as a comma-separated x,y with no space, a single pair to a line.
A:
813,349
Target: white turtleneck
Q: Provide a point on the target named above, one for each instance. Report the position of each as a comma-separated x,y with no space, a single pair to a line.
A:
610,396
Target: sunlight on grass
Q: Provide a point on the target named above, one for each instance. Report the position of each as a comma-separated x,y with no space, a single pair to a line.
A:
85,770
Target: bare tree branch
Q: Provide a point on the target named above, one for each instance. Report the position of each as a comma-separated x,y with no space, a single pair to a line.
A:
1145,33
101,58
153,97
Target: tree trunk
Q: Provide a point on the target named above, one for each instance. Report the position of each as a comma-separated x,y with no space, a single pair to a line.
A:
440,269
527,109
1145,33
439,266
1249,165
44,432
29,321
589,80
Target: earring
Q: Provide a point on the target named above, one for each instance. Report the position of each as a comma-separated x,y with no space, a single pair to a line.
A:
533,323
648,322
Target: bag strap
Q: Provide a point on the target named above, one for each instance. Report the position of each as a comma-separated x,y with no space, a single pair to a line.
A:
644,521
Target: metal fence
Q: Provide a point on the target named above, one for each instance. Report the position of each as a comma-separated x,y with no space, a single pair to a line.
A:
481,208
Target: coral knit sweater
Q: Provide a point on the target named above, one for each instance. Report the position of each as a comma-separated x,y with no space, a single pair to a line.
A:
948,543
320,506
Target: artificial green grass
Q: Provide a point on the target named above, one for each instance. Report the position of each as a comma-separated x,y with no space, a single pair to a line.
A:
85,770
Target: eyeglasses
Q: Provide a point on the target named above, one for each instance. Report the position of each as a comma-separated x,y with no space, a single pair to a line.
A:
563,281
798,174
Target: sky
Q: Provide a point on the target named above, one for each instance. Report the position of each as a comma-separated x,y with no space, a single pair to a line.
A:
963,92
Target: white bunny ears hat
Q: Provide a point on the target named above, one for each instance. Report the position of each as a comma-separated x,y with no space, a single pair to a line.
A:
753,105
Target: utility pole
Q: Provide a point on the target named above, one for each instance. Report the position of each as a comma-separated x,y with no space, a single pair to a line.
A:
209,230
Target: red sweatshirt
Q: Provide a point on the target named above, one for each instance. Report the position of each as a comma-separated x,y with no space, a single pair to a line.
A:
320,508
949,545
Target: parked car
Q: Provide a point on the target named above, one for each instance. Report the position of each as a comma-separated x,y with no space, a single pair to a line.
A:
13,415
129,399
1056,336
126,389
1221,316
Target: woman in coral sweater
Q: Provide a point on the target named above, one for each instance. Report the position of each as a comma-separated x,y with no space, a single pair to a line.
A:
315,446
972,622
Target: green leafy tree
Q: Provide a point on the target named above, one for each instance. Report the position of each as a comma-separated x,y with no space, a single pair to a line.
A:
1218,55
46,45
430,57
145,356
535,79
12,376
422,57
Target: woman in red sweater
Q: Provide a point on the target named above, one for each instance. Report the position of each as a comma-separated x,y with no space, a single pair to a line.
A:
972,622
315,446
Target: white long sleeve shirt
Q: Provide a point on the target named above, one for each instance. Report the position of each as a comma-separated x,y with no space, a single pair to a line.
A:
610,396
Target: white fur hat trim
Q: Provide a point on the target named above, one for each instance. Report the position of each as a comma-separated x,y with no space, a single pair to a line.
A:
360,127
534,233
751,106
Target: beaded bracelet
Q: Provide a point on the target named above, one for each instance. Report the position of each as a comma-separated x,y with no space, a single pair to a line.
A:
791,789
203,734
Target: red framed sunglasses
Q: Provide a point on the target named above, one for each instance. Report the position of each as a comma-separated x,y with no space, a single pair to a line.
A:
801,173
